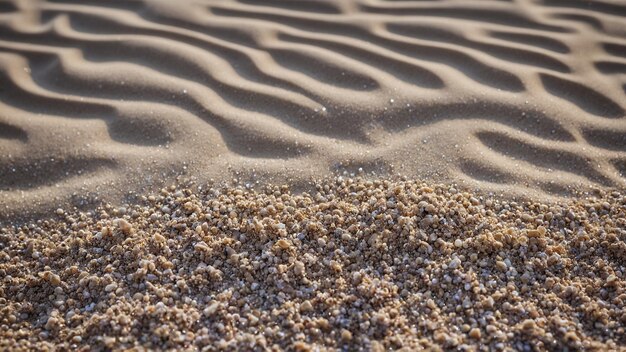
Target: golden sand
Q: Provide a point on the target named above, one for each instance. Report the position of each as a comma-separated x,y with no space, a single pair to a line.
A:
356,265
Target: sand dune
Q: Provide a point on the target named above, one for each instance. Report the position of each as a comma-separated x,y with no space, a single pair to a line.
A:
102,99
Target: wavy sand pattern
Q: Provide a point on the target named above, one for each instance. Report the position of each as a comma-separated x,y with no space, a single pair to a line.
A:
99,98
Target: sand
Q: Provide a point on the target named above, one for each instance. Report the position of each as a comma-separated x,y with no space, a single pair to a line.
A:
104,100
356,265
502,123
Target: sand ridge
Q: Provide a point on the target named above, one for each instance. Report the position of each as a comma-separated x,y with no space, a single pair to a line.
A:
111,97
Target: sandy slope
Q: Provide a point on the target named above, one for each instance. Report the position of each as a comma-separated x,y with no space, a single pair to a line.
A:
102,98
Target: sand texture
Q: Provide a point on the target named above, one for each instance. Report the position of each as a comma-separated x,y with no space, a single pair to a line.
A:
357,265
102,98
312,175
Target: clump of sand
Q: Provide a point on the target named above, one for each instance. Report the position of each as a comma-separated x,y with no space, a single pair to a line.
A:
358,264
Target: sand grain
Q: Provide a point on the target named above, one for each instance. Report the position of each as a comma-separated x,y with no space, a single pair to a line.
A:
357,264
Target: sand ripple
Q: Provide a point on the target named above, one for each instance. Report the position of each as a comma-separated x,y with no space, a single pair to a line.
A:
108,97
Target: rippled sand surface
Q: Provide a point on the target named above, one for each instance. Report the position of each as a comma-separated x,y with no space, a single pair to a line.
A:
100,99
313,175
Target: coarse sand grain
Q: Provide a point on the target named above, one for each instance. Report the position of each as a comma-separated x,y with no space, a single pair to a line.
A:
358,264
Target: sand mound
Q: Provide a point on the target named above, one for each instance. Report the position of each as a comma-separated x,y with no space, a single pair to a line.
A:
358,264
100,98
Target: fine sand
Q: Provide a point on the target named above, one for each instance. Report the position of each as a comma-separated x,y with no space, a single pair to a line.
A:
510,113
102,98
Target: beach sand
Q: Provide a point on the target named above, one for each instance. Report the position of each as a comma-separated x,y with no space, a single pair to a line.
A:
386,174
103,100
354,265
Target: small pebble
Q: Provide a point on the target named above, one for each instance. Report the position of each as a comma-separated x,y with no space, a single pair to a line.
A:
475,333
